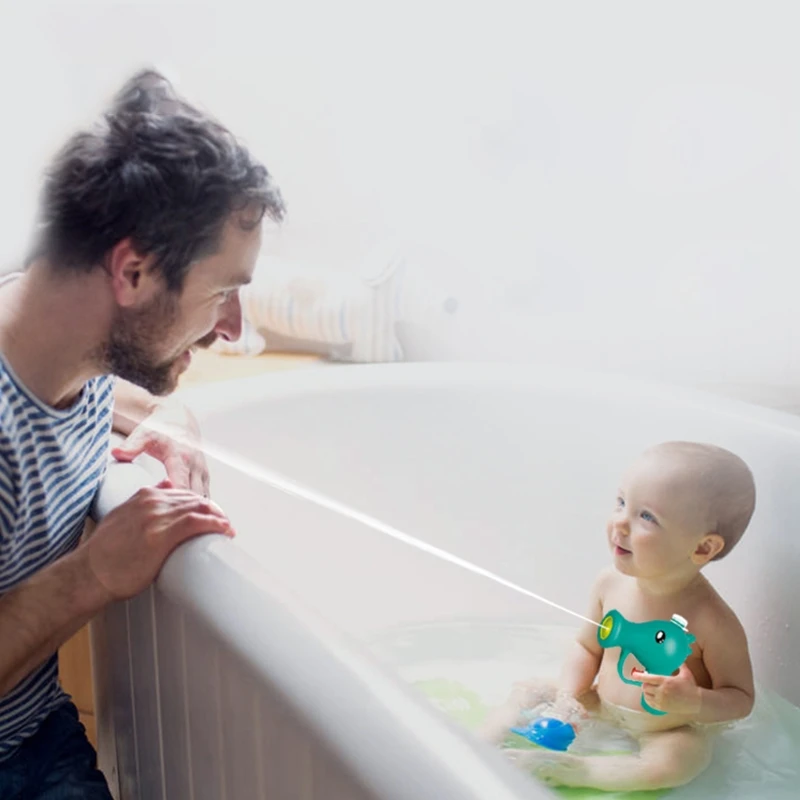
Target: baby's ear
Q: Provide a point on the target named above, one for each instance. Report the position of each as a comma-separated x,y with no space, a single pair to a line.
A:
710,546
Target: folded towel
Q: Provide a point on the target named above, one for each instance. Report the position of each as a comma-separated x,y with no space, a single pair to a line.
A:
349,317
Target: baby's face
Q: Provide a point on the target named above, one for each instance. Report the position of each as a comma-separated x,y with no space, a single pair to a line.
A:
658,520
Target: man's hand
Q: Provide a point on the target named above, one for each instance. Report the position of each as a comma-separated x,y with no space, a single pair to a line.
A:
171,435
122,557
128,548
673,694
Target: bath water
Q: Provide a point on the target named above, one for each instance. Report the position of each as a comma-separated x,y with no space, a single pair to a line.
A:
466,667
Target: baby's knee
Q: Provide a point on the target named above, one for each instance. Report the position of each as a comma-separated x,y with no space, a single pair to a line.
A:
679,763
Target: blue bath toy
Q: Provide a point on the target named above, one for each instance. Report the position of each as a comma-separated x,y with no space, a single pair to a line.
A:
660,647
548,732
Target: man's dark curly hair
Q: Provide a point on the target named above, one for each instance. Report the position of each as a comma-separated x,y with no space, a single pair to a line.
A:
157,170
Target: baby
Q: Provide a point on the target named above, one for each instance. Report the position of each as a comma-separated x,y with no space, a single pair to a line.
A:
679,506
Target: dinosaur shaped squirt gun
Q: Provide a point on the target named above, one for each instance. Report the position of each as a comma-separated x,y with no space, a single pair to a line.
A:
660,647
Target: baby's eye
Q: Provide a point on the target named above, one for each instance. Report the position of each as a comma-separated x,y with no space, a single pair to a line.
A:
620,503
648,517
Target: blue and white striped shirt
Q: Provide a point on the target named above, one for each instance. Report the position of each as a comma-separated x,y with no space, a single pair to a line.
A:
51,462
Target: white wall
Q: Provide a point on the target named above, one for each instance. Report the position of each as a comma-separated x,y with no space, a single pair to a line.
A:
617,182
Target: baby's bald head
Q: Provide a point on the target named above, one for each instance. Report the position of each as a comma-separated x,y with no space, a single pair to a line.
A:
715,483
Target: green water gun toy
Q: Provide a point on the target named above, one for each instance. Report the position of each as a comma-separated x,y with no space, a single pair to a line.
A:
660,647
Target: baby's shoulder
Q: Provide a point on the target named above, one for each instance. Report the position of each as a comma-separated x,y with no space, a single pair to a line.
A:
606,581
712,617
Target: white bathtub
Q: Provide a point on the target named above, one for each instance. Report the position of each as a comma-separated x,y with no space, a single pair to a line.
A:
250,670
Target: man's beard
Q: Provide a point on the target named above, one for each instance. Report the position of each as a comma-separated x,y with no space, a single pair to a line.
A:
134,338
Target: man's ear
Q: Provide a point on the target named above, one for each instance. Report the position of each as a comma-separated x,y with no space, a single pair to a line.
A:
133,279
710,546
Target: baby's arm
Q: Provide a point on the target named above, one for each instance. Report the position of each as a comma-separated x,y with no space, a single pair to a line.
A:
577,677
583,662
727,659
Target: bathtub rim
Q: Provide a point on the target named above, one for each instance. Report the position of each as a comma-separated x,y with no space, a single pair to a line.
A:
208,400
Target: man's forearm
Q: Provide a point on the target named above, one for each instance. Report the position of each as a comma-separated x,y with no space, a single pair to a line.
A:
39,615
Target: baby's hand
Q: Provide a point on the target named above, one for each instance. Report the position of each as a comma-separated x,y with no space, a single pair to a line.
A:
672,694
569,708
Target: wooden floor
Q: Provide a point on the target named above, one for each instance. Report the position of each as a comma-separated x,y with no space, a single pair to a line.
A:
75,667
